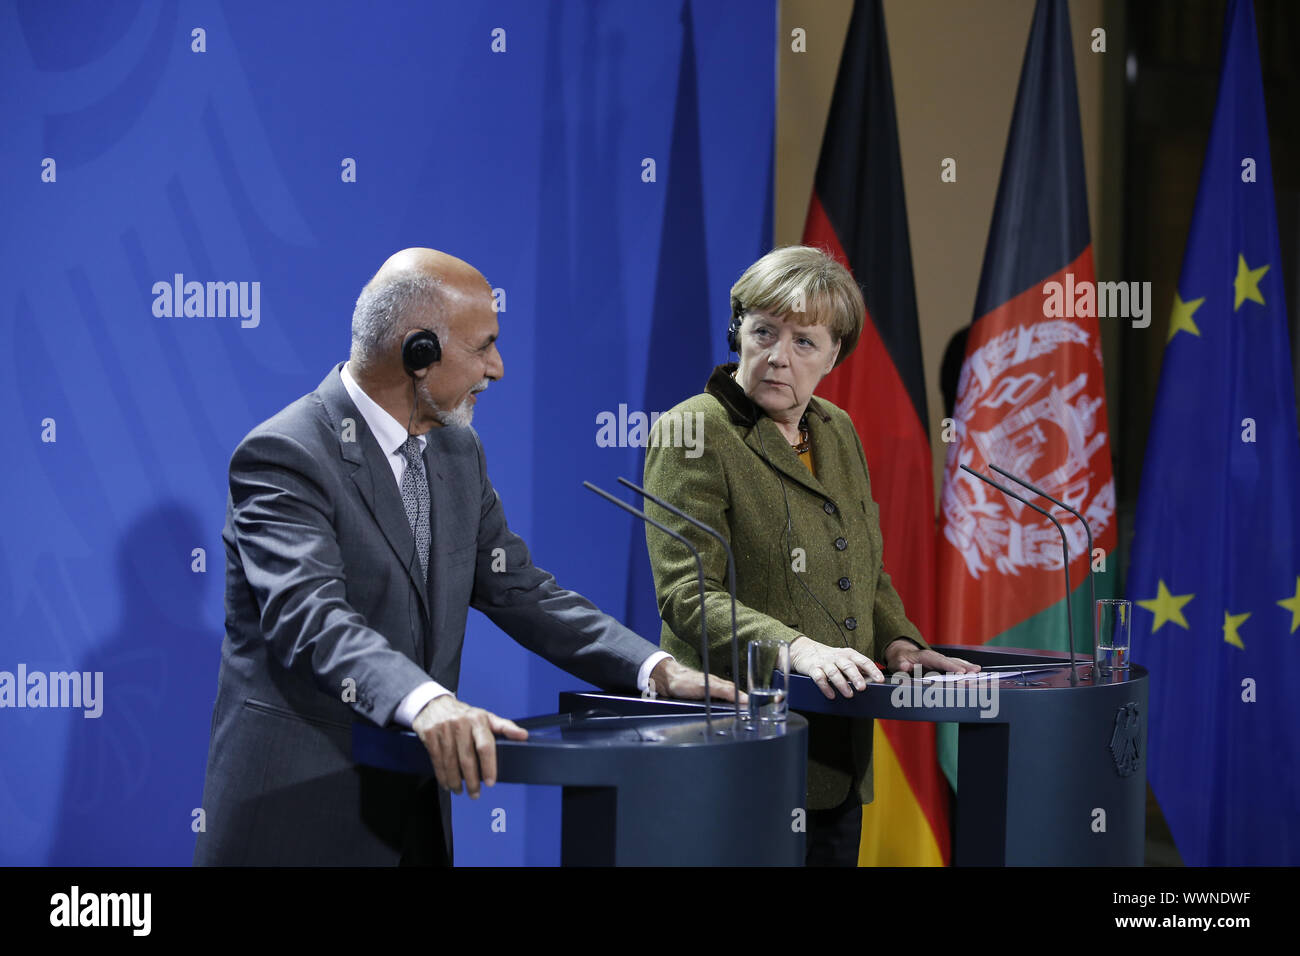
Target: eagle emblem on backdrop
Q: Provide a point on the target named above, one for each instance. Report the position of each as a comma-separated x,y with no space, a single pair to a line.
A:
1017,410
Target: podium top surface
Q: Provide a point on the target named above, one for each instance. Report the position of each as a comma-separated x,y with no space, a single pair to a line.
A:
567,748
1015,683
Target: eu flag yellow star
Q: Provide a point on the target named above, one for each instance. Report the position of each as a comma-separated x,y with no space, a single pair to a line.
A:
1167,607
1181,320
1246,285
1292,604
1230,624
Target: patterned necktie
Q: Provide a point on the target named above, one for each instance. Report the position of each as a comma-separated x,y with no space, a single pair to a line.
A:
415,497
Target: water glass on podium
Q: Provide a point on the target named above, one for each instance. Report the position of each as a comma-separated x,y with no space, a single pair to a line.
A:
1111,635
769,680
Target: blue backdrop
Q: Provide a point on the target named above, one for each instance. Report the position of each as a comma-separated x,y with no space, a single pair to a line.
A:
130,156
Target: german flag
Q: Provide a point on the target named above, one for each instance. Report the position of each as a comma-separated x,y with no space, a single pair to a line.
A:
857,213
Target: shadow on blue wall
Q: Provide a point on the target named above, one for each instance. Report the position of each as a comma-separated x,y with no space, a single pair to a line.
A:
134,775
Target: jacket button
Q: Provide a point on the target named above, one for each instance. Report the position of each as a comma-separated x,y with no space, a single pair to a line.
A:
828,508
840,544
851,623
845,584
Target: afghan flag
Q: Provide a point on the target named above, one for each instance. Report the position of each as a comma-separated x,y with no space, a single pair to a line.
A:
857,214
1215,571
1031,397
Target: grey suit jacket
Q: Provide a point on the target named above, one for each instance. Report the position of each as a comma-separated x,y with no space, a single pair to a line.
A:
329,621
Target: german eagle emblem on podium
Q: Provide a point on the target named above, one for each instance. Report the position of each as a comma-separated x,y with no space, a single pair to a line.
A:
1124,740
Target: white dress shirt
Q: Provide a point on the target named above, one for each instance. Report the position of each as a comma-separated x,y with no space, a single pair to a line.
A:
391,435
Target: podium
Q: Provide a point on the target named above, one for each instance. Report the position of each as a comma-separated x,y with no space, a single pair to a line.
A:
647,782
1055,777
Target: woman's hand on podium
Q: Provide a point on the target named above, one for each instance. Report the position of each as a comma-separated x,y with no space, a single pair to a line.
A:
904,656
832,668
461,742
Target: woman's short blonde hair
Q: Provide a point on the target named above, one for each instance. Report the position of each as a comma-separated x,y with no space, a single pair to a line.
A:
801,279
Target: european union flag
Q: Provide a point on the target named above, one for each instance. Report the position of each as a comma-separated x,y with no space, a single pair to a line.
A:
1215,573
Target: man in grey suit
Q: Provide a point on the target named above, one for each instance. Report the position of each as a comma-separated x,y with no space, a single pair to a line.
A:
361,527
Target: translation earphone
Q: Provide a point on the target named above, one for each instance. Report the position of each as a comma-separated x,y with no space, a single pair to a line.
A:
420,349
733,328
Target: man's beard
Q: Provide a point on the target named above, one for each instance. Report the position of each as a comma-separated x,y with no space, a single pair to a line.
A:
458,417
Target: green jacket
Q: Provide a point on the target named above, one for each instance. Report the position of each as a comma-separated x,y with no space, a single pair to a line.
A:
821,577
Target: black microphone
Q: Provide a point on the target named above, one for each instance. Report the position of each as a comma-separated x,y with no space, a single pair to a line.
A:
699,567
1092,587
731,571
1065,552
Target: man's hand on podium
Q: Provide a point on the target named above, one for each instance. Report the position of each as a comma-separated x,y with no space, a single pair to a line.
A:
671,679
461,741
902,655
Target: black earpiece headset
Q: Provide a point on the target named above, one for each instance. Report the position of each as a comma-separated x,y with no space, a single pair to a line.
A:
733,328
420,349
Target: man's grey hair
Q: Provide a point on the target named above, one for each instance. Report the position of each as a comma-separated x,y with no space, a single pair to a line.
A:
387,307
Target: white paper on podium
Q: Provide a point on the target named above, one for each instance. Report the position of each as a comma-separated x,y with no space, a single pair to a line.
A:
977,675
